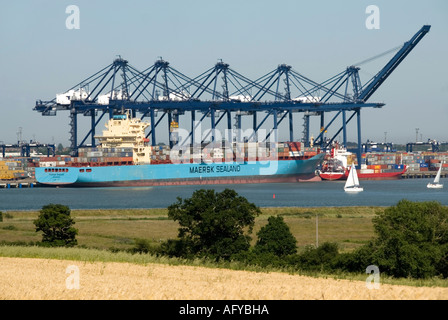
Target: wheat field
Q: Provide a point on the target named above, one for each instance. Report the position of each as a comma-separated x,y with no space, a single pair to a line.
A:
48,279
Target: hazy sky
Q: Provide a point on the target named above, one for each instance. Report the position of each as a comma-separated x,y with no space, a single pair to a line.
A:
40,57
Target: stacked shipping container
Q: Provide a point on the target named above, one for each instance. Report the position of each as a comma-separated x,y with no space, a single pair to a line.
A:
389,162
238,151
12,169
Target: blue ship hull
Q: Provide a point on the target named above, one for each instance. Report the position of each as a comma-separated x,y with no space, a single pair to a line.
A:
178,174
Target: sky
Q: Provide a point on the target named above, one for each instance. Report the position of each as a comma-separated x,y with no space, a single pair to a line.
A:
41,57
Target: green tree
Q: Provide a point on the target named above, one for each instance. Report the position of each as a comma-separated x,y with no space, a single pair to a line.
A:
411,240
411,237
213,224
57,226
276,238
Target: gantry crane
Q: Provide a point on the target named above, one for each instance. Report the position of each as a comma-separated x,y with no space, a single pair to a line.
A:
161,91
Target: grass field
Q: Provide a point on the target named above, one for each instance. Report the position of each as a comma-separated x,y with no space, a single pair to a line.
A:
105,229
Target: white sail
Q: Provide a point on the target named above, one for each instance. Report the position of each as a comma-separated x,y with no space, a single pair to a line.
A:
437,179
355,176
352,183
436,184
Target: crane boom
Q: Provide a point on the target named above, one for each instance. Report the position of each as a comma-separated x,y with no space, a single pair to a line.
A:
381,76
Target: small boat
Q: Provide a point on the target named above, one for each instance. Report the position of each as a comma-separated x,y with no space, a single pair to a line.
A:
352,183
436,184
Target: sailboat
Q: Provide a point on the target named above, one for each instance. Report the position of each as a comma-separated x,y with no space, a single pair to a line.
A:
352,183
436,184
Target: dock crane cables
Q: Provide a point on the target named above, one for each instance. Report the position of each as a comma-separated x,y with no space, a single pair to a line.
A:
378,56
395,49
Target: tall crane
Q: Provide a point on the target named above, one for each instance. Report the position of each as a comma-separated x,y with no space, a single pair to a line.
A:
363,93
381,76
384,73
220,93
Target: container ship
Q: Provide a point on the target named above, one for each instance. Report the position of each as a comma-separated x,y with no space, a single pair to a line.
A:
125,158
373,166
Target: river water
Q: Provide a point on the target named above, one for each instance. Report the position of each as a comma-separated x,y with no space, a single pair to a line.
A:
307,194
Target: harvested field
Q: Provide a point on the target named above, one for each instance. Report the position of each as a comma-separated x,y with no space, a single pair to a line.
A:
44,279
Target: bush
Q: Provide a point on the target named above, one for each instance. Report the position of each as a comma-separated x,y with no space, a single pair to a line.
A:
320,258
142,246
1,216
174,248
9,227
276,238
252,257
356,261
442,264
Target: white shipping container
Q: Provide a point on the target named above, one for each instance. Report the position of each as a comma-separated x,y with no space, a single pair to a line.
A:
94,154
12,164
65,98
47,164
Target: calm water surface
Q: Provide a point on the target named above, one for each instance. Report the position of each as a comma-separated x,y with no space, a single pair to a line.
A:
310,194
